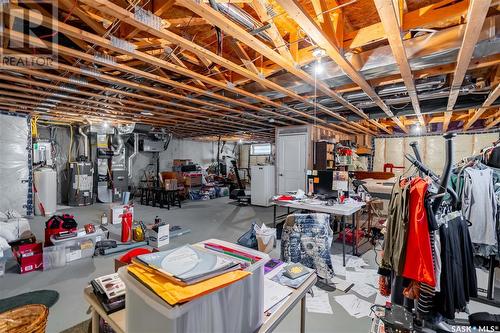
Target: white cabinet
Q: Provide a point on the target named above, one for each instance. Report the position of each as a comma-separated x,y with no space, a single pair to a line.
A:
262,185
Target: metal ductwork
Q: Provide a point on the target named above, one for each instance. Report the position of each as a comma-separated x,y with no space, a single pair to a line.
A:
436,48
117,143
85,142
242,18
132,156
399,88
142,128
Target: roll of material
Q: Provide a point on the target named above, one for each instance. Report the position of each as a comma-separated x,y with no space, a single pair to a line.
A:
45,182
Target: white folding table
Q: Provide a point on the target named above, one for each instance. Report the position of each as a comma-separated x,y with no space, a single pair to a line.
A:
341,210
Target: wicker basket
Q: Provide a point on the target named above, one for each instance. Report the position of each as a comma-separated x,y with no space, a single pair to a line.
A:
25,319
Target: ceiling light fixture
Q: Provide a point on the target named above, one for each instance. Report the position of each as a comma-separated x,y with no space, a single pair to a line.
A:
147,113
417,129
318,67
318,52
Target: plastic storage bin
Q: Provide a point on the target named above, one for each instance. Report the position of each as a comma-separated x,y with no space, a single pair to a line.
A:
2,266
54,257
238,307
81,246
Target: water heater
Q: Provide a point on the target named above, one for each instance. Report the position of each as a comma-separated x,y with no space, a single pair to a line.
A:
45,186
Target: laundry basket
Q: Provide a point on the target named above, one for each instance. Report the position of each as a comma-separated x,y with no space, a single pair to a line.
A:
28,318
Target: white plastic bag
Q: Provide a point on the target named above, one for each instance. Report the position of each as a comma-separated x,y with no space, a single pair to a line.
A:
300,194
266,237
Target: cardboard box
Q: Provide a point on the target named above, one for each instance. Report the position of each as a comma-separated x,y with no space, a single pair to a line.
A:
177,163
160,238
29,257
194,179
115,212
170,184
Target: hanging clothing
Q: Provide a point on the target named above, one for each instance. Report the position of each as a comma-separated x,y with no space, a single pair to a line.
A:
479,205
438,262
397,224
419,265
458,275
493,157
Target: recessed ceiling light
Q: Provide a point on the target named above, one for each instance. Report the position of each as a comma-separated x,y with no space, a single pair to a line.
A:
147,113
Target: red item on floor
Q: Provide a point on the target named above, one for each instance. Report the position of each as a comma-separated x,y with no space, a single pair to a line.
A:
349,235
29,257
126,225
57,224
286,197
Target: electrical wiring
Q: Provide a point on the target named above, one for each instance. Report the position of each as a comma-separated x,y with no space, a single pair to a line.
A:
34,127
401,108
64,21
375,250
70,143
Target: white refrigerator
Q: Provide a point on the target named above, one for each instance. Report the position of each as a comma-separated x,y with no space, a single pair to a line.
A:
262,184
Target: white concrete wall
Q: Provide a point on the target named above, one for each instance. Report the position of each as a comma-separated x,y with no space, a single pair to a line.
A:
432,149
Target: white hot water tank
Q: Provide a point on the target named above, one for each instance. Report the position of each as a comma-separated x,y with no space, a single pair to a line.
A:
45,181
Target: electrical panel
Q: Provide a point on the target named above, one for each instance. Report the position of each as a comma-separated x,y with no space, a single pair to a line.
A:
42,152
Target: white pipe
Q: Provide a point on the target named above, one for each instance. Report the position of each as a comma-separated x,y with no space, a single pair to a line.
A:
131,157
85,143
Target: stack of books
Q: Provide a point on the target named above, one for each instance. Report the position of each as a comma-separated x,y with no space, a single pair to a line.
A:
110,291
186,273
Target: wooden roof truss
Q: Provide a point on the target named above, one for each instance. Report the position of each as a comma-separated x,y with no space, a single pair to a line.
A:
235,67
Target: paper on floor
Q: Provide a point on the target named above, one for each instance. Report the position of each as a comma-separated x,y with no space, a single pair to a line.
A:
364,276
338,269
364,290
355,306
341,284
350,261
320,303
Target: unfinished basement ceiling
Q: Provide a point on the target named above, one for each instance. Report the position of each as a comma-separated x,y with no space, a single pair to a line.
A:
243,67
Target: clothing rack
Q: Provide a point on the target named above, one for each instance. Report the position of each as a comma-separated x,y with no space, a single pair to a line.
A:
435,320
443,181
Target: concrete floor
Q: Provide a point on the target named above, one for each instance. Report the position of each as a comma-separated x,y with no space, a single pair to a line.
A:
206,219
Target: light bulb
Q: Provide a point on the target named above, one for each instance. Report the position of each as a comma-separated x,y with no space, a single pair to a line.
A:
417,129
318,68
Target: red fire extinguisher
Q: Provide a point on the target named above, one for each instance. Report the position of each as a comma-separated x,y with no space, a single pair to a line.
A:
126,225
